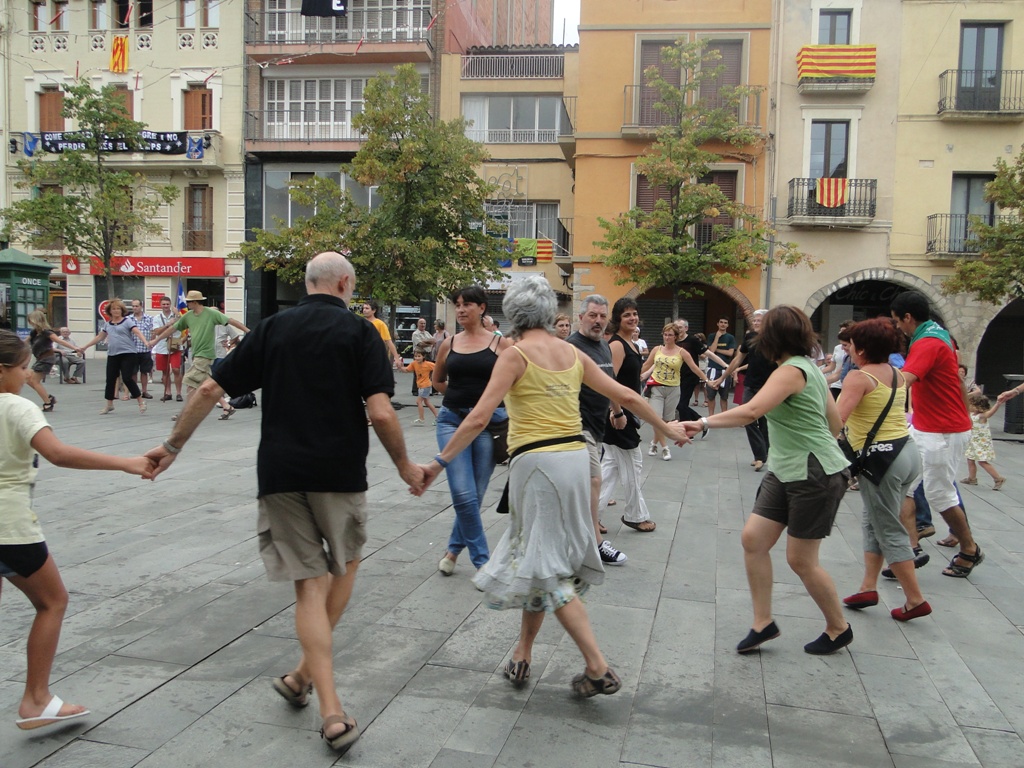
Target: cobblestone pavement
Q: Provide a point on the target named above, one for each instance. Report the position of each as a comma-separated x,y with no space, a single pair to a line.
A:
173,632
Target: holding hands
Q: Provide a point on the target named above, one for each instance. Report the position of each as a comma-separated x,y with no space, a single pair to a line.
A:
1008,395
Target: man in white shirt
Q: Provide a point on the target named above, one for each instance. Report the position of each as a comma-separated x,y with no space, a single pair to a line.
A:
168,351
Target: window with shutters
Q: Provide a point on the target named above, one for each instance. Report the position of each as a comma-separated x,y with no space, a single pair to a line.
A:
126,98
313,109
711,228
99,15
714,92
51,106
198,231
650,56
37,17
198,108
647,194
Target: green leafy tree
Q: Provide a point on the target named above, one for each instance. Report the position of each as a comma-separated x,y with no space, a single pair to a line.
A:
695,234
999,273
424,234
84,203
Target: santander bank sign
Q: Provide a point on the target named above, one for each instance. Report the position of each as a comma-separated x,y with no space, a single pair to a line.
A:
145,266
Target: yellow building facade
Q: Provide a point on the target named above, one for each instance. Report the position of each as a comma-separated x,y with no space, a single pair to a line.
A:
613,128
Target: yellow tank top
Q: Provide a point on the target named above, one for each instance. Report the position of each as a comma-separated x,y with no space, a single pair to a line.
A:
545,404
666,369
862,418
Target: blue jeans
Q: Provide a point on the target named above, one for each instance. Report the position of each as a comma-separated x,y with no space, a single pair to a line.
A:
468,475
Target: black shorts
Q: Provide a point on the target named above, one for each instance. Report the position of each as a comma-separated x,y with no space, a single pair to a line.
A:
806,507
22,559
42,367
143,363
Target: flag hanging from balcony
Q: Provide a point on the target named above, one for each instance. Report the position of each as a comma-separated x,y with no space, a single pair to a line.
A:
119,54
822,61
324,8
831,193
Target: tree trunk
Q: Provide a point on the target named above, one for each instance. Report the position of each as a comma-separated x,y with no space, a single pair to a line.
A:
675,303
109,273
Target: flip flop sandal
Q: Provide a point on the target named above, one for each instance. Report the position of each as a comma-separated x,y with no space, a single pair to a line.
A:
346,738
651,525
601,528
607,684
957,571
298,698
227,413
517,672
50,716
949,541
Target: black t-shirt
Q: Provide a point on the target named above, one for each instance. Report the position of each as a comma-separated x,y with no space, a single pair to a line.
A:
593,406
313,437
687,378
628,376
759,368
41,344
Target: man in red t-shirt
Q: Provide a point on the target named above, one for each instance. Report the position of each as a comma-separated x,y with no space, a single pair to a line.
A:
942,426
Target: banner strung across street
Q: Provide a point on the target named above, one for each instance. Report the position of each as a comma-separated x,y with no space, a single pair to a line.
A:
161,142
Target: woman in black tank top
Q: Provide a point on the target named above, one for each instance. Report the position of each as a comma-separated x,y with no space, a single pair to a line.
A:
463,368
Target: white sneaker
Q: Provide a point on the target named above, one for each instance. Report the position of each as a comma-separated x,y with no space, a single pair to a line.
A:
653,450
666,454
610,554
446,566
417,422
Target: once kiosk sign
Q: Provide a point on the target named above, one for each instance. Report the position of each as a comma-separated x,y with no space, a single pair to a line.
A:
157,267
34,281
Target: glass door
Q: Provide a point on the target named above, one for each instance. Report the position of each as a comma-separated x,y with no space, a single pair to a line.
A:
981,55
968,199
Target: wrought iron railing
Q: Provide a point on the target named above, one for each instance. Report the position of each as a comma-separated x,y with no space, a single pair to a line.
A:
196,238
513,66
513,135
291,28
643,108
981,90
954,232
301,123
860,199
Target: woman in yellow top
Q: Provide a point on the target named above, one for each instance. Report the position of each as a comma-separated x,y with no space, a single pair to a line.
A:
866,392
548,556
664,365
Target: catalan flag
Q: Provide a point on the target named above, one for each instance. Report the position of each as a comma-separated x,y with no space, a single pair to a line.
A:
831,193
545,251
834,61
119,54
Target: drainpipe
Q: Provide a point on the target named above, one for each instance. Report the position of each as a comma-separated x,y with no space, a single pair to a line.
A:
771,253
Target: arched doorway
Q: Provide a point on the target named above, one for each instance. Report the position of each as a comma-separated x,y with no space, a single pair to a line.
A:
1001,350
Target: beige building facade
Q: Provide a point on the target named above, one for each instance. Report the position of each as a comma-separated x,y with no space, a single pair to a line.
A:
183,79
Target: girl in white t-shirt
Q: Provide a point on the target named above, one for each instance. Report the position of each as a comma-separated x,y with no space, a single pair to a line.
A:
24,558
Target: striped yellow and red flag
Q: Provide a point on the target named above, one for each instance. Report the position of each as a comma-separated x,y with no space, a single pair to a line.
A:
821,61
545,251
119,54
831,193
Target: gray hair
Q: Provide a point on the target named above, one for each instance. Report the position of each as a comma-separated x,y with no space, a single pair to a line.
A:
594,298
530,303
759,312
330,266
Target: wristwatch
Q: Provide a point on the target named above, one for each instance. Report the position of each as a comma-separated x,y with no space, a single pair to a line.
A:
705,425
170,448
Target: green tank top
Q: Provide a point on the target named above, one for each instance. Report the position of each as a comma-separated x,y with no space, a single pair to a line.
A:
798,427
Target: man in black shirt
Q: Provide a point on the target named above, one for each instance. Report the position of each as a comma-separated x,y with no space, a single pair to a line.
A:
594,411
759,368
311,464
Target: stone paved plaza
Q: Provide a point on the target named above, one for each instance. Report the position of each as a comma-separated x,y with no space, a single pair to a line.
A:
173,632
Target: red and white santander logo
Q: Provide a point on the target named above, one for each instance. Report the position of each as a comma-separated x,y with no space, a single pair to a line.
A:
71,266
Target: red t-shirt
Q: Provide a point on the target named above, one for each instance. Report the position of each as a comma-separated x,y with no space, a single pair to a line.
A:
937,397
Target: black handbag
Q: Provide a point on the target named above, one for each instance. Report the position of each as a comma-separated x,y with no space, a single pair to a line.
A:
874,459
498,430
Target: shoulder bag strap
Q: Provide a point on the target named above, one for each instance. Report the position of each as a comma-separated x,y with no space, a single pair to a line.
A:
881,417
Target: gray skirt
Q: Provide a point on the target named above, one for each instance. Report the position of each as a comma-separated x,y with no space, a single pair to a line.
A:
548,554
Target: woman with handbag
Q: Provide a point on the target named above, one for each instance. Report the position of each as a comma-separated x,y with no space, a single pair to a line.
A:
548,556
872,404
806,479
463,368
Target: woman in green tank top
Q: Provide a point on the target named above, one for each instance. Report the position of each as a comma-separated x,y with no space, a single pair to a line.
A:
806,479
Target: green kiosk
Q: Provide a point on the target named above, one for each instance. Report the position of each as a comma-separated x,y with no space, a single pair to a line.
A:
24,288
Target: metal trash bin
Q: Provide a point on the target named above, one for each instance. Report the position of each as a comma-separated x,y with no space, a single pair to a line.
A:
1013,420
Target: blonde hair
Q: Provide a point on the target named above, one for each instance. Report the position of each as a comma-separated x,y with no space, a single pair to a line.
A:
37,320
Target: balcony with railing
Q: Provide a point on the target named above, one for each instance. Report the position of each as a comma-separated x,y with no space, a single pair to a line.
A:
952,236
832,202
196,237
642,116
513,66
295,129
832,68
981,94
567,130
394,35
